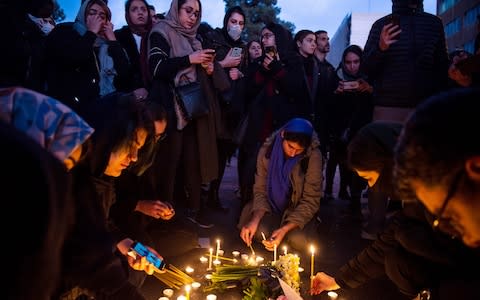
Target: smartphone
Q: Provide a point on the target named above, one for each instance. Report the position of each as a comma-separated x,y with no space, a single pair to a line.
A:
139,249
394,19
350,85
236,52
271,50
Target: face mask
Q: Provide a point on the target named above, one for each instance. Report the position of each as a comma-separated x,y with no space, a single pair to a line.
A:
234,32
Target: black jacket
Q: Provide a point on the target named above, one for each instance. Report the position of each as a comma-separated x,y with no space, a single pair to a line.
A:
415,66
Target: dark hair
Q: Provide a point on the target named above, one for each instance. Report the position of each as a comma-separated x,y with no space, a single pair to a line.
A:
302,139
116,119
150,6
104,6
230,11
283,38
320,32
300,36
437,139
247,53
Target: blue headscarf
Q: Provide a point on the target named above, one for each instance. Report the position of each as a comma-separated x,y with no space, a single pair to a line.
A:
280,167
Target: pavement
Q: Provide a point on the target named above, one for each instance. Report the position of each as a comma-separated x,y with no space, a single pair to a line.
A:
337,235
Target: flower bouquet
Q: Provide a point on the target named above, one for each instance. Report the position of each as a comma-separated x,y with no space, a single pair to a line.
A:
270,281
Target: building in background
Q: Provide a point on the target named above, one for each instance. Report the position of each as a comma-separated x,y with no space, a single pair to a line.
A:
459,19
353,30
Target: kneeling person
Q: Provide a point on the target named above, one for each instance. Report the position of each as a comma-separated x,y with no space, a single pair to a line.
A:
287,189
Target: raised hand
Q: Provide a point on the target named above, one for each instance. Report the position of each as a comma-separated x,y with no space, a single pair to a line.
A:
388,36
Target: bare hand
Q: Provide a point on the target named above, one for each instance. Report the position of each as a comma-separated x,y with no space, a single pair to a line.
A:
202,56
364,86
95,24
140,93
107,31
156,209
340,88
209,67
248,232
323,282
140,263
235,74
267,60
230,61
275,239
388,36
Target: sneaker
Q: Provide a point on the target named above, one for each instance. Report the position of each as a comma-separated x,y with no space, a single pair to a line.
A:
199,222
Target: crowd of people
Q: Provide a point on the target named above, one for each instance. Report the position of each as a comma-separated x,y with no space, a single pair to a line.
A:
96,116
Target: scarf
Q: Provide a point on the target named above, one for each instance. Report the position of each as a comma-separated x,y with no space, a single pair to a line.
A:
278,181
279,167
183,41
142,31
106,68
47,121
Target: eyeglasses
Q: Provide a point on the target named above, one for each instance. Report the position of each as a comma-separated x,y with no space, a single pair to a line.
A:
447,224
190,11
160,136
267,35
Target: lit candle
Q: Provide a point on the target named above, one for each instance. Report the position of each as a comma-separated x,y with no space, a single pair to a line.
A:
221,252
182,297
235,253
211,297
187,291
218,249
196,285
244,256
300,269
168,292
210,259
284,250
259,259
312,261
217,262
208,276
274,253
189,270
203,259
263,236
332,295
163,298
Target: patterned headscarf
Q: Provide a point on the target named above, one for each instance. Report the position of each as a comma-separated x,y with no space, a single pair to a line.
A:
50,123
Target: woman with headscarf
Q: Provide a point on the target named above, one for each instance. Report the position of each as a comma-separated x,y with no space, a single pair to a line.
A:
47,121
176,58
85,59
96,261
351,108
133,37
288,187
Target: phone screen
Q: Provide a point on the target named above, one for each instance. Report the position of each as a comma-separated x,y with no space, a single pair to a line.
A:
156,261
236,52
271,50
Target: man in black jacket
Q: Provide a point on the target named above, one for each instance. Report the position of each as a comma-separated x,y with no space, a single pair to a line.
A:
406,57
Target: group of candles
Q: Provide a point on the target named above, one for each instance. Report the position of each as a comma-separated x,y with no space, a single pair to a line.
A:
218,252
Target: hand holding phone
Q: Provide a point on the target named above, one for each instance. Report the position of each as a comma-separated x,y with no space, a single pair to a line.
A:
236,52
140,249
272,51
